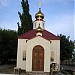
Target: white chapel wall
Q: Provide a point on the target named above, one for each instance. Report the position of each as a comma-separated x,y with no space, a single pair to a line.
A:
55,47
30,45
48,47
21,47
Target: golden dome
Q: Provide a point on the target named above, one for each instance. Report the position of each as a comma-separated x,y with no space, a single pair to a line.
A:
39,29
39,14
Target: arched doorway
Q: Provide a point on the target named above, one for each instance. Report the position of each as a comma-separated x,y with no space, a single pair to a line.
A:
38,58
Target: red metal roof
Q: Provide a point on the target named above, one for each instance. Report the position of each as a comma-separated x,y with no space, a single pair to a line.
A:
45,34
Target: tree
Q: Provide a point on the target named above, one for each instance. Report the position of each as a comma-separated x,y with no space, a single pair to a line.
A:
25,18
66,47
74,51
8,45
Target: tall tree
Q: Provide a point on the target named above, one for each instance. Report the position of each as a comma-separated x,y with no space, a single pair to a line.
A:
25,18
66,47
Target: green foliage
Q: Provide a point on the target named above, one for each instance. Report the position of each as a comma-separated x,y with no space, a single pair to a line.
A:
8,45
66,47
73,54
74,51
25,18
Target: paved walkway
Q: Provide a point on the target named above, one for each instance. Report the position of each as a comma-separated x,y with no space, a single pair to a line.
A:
9,69
6,69
40,73
6,66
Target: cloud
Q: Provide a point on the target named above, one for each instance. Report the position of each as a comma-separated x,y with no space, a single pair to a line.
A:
4,2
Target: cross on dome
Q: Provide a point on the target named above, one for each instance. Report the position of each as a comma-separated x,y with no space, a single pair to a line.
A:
39,19
40,3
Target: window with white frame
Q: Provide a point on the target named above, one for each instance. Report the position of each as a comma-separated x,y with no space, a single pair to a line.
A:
43,25
52,56
35,25
24,55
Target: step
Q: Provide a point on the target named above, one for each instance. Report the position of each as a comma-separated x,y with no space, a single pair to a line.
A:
38,73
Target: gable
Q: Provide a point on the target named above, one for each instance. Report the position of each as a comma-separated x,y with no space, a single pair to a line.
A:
45,34
38,39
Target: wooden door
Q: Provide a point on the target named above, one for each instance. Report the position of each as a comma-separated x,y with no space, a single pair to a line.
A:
38,58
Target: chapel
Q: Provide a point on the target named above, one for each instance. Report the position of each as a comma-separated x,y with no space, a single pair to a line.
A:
38,48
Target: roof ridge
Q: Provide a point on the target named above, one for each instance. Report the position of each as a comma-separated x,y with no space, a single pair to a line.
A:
45,34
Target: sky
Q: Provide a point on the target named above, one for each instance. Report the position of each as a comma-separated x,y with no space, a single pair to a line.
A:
59,15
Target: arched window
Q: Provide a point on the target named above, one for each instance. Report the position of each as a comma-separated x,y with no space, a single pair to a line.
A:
35,25
24,55
52,56
43,25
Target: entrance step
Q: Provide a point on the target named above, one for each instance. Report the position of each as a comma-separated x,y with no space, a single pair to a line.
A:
38,73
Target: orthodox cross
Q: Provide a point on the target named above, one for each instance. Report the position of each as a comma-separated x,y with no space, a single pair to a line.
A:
40,3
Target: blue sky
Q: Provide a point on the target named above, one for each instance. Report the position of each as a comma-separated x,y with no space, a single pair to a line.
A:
59,15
